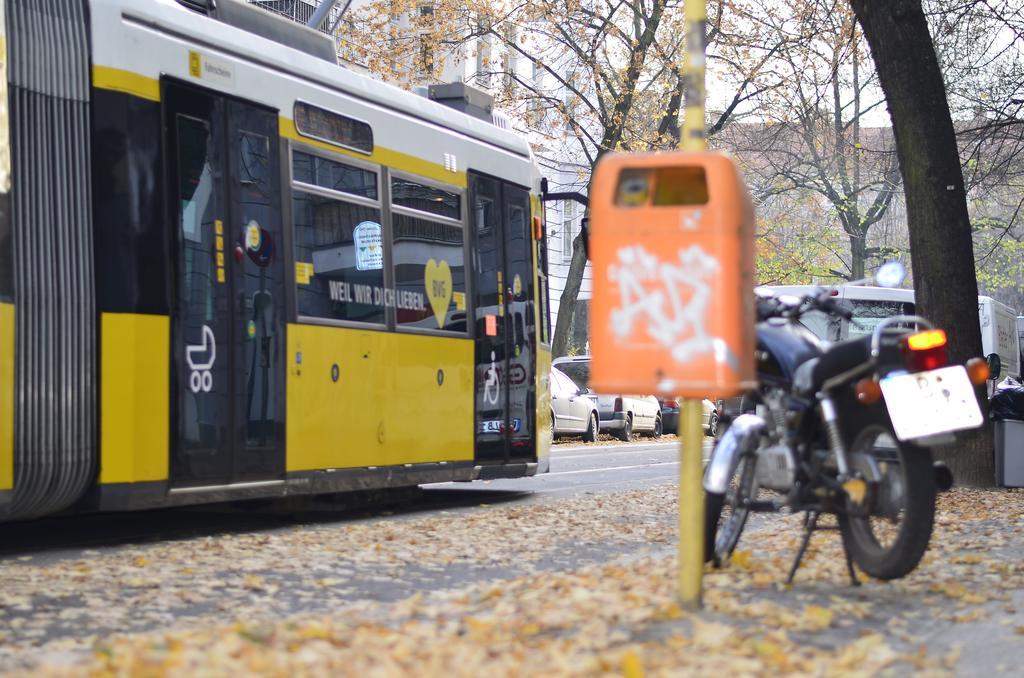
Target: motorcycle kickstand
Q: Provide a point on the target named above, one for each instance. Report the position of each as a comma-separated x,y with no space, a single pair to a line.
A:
810,526
849,566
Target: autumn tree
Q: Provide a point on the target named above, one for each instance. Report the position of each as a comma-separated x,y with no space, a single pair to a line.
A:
797,243
580,77
980,47
811,134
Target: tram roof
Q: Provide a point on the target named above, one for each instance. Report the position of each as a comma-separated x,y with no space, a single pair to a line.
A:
173,16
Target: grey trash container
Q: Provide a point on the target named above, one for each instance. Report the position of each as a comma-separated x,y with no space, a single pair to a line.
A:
1009,434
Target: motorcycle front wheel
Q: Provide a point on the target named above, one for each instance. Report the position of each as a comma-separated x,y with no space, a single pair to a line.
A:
888,534
725,514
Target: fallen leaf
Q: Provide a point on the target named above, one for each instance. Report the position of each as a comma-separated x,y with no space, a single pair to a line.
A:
710,635
632,665
816,618
741,559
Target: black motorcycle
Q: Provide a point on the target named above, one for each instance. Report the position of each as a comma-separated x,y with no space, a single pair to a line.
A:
842,428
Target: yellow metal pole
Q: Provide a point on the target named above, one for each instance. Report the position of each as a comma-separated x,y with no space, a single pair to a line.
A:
693,137
691,505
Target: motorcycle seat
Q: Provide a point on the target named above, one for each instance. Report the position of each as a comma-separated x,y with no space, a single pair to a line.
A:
839,358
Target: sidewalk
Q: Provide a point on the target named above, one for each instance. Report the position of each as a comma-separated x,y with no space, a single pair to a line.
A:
960,612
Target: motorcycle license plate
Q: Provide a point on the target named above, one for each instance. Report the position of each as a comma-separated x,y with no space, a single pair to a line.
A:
929,403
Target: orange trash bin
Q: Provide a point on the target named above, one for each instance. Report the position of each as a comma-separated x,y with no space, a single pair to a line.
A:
672,254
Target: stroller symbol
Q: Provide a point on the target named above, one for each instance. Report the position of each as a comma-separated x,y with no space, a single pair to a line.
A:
201,378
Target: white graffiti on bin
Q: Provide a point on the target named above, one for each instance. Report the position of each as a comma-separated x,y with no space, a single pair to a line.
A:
672,297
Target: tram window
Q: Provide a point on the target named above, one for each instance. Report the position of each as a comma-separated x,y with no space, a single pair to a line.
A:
337,176
542,280
426,198
254,150
485,208
197,190
335,128
195,177
338,249
430,274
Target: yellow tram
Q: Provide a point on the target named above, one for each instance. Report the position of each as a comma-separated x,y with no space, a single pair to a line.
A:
231,268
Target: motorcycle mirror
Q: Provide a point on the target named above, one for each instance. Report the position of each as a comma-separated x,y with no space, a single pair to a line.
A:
890,274
995,365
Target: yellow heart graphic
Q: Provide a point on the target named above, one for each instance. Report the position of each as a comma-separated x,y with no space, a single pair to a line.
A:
437,278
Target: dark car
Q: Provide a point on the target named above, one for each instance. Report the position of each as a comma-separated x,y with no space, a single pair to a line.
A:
709,417
669,414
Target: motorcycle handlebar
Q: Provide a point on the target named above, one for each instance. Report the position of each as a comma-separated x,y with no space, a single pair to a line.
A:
829,305
775,307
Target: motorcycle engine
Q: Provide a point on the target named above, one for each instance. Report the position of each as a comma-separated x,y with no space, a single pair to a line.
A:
775,468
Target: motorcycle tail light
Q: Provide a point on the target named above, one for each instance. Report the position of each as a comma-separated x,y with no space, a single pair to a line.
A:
978,371
925,351
868,391
929,339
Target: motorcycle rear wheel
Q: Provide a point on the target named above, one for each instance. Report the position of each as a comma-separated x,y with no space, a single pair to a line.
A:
890,547
722,532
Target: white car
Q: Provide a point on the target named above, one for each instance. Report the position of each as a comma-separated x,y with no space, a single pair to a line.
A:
623,415
573,411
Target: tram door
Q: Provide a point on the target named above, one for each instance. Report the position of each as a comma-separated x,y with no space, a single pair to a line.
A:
504,321
227,336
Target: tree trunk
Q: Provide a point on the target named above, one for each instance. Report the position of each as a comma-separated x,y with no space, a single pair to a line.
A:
946,287
567,302
858,254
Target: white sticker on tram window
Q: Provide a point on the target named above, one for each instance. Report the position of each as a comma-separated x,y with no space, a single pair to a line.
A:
200,359
369,246
253,236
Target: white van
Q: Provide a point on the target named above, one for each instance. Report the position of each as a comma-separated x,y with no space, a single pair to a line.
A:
1020,336
870,305
999,334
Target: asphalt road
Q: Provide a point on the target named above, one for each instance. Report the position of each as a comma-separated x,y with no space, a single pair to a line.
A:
595,468
575,470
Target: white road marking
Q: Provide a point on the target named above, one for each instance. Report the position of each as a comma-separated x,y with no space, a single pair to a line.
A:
605,455
608,468
585,452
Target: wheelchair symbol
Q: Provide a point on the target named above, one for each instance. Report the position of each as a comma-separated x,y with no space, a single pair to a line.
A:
201,378
491,384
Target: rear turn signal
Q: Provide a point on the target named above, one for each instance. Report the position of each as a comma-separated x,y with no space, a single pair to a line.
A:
925,351
868,391
978,371
923,341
